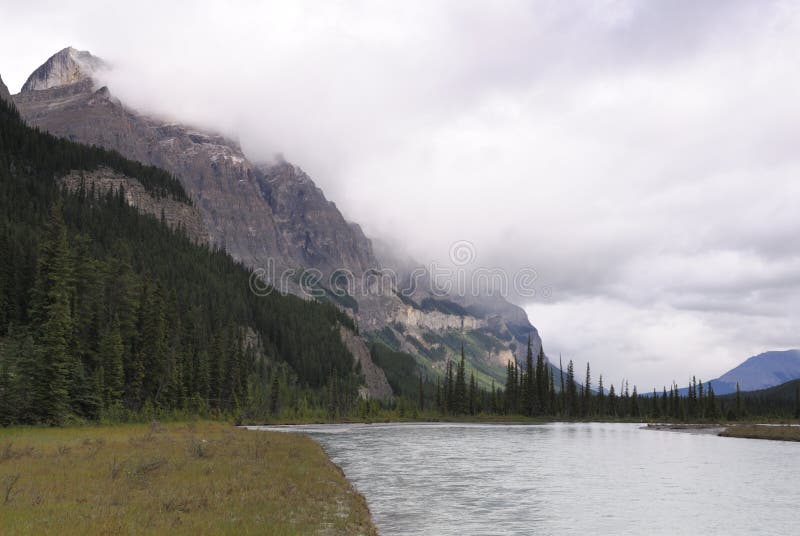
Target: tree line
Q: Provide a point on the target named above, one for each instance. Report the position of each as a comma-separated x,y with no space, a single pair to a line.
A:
536,389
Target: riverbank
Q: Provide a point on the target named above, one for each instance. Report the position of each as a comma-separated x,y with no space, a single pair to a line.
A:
775,433
189,478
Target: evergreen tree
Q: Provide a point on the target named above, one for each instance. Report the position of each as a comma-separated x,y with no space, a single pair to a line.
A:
563,391
421,400
528,398
461,387
587,393
572,393
541,382
111,356
612,402
473,394
601,403
274,395
51,311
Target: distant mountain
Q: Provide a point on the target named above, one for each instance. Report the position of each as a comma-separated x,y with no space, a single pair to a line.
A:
759,372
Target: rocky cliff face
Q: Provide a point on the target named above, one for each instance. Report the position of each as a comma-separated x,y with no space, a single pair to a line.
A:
175,213
235,198
375,383
63,68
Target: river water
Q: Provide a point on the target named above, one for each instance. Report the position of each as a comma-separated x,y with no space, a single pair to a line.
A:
460,479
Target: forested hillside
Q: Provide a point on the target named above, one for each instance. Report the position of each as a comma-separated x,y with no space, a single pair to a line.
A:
107,312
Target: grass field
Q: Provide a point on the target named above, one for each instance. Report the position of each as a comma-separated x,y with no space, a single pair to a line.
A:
195,478
778,433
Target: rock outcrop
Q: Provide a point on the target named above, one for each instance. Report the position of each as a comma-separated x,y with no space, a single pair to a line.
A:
375,383
175,213
63,68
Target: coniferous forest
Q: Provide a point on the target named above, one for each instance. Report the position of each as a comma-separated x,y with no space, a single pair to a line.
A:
537,390
108,313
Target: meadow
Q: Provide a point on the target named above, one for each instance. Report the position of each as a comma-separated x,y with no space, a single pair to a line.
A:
187,478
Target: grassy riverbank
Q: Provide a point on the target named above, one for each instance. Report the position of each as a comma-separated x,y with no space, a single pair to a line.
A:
777,433
196,478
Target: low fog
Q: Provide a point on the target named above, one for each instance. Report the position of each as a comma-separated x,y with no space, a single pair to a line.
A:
641,157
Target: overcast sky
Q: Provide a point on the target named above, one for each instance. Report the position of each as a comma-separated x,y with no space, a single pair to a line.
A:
642,157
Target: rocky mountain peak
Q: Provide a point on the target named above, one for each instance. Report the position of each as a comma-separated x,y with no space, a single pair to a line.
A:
63,68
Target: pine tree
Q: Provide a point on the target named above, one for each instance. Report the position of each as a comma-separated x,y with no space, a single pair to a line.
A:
461,387
563,392
528,397
111,355
274,395
711,411
587,393
439,405
473,394
612,402
509,392
421,394
701,408
51,311
541,381
601,409
572,394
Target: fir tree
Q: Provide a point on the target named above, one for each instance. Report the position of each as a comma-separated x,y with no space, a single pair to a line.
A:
111,355
51,311
587,393
461,386
274,395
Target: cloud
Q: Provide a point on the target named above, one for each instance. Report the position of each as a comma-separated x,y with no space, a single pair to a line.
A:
641,156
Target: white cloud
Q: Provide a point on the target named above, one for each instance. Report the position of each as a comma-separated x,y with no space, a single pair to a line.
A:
641,156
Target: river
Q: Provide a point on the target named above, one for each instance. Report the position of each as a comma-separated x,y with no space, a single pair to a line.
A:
564,478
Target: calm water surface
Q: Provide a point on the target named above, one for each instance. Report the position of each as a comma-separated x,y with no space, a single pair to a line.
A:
448,479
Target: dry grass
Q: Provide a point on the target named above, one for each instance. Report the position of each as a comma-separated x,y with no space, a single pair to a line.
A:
778,433
203,478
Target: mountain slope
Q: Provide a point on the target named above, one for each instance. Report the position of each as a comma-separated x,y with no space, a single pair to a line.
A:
273,216
760,372
232,194
106,310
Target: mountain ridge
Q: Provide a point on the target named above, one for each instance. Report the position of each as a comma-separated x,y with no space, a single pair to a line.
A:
272,216
758,372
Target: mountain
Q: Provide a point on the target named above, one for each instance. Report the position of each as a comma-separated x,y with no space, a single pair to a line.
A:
273,216
760,372
107,310
235,198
